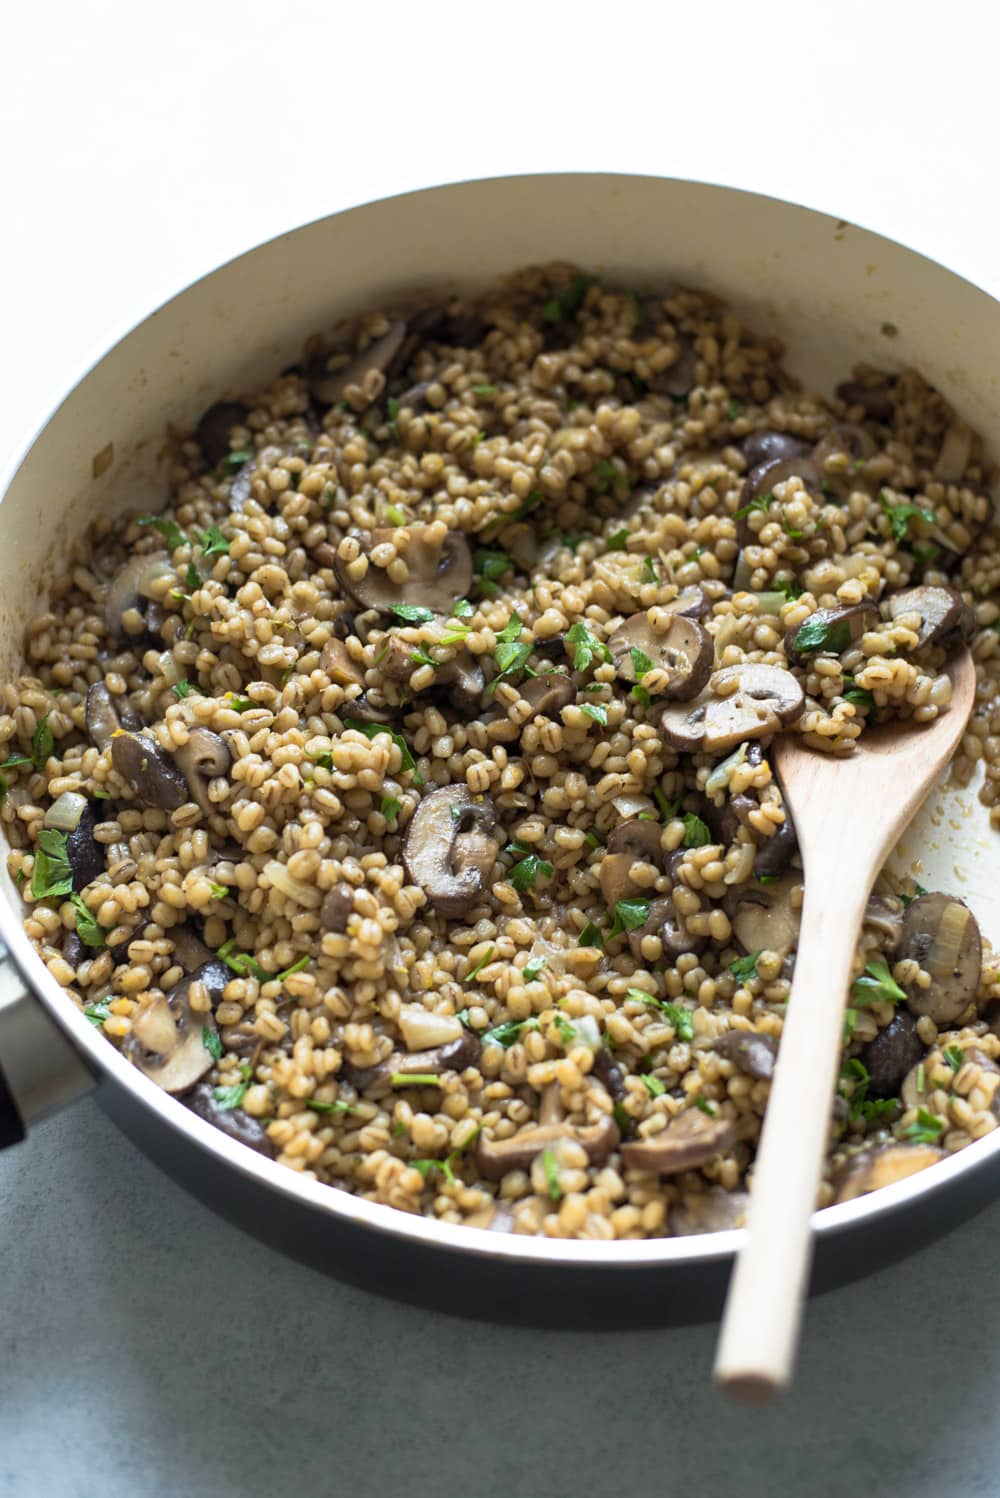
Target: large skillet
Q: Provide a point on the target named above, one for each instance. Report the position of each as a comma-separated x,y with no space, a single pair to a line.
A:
837,295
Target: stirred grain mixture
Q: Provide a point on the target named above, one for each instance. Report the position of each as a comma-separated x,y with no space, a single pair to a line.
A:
398,796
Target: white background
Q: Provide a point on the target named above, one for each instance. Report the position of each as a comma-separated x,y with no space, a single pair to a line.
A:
145,1348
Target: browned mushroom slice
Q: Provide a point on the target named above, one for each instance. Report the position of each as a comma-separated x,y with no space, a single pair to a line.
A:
891,1055
104,715
830,632
336,661
167,1040
682,653
740,702
498,1157
449,849
440,572
944,614
712,1211
766,447
632,842
691,1139
77,817
203,758
752,1053
337,906
884,914
547,694
692,602
774,852
762,480
235,1122
465,680
377,1081
148,771
664,921
875,400
763,916
212,431
941,934
329,385
133,588
871,1169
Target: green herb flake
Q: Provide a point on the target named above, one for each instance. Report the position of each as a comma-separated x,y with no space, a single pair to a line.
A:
239,704
733,410
641,663
666,808
567,301
551,1175
219,891
296,967
412,613
87,929
389,808
696,833
955,1057
850,1024
484,390
622,1117
233,461
618,541
648,572
901,515
531,970
832,636
927,1129
168,529
524,874
876,986
372,730
706,1107
506,1034
585,646
490,567
228,1098
744,969
242,963
42,743
51,875
213,543
393,408
15,761
336,1107
654,1085
596,710
629,916
463,609
590,936
605,474
212,1041
393,513
763,502
182,689
192,579
98,1012
414,1079
484,961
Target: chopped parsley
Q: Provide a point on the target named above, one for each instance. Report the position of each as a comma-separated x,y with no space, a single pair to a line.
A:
100,1011
42,743
590,936
927,1129
242,963
445,1165
227,1098
15,761
182,689
618,541
51,874
192,578
706,1107
653,1085
168,529
850,1024
567,301
390,808
219,891
531,970
859,696
240,704
551,1175
696,833
372,730
490,567
414,1079
763,502
666,808
733,410
336,1107
900,516
463,609
955,1057
876,986
393,408
213,543
648,572
872,1110
486,390
232,461
605,474
744,969
212,1041
484,961
412,613
909,899
524,874
296,967
641,663
586,647
629,916
87,929
596,710
832,635
506,1034
393,513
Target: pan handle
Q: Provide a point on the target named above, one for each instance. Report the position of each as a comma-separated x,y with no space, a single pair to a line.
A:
40,1071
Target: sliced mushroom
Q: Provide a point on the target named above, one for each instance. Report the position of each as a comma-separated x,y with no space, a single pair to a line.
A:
370,708
763,917
376,1081
830,632
465,680
692,1138
104,715
858,444
235,1122
439,573
632,842
713,1211
337,906
692,602
775,852
337,663
871,1169
498,1157
884,915
133,588
684,653
944,614
752,1053
875,400
891,1055
148,771
87,857
547,694
762,481
941,934
767,447
424,1029
679,379
764,698
329,385
608,1072
665,922
415,398
212,431
189,949
167,1040
203,758
449,849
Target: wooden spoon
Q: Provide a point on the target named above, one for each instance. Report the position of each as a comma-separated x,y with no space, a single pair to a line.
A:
848,814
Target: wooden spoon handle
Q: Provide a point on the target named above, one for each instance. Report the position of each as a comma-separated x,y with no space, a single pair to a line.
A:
764,1306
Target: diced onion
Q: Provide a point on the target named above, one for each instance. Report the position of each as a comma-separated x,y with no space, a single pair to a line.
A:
942,959
631,805
422,1031
156,1028
587,1031
287,884
956,450
719,778
66,811
771,603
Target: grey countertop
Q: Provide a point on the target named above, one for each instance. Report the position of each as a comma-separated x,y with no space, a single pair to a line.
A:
146,1348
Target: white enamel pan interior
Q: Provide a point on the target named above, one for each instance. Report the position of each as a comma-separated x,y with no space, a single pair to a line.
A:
835,293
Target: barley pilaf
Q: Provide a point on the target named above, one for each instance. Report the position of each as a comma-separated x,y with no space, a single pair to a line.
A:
399,797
